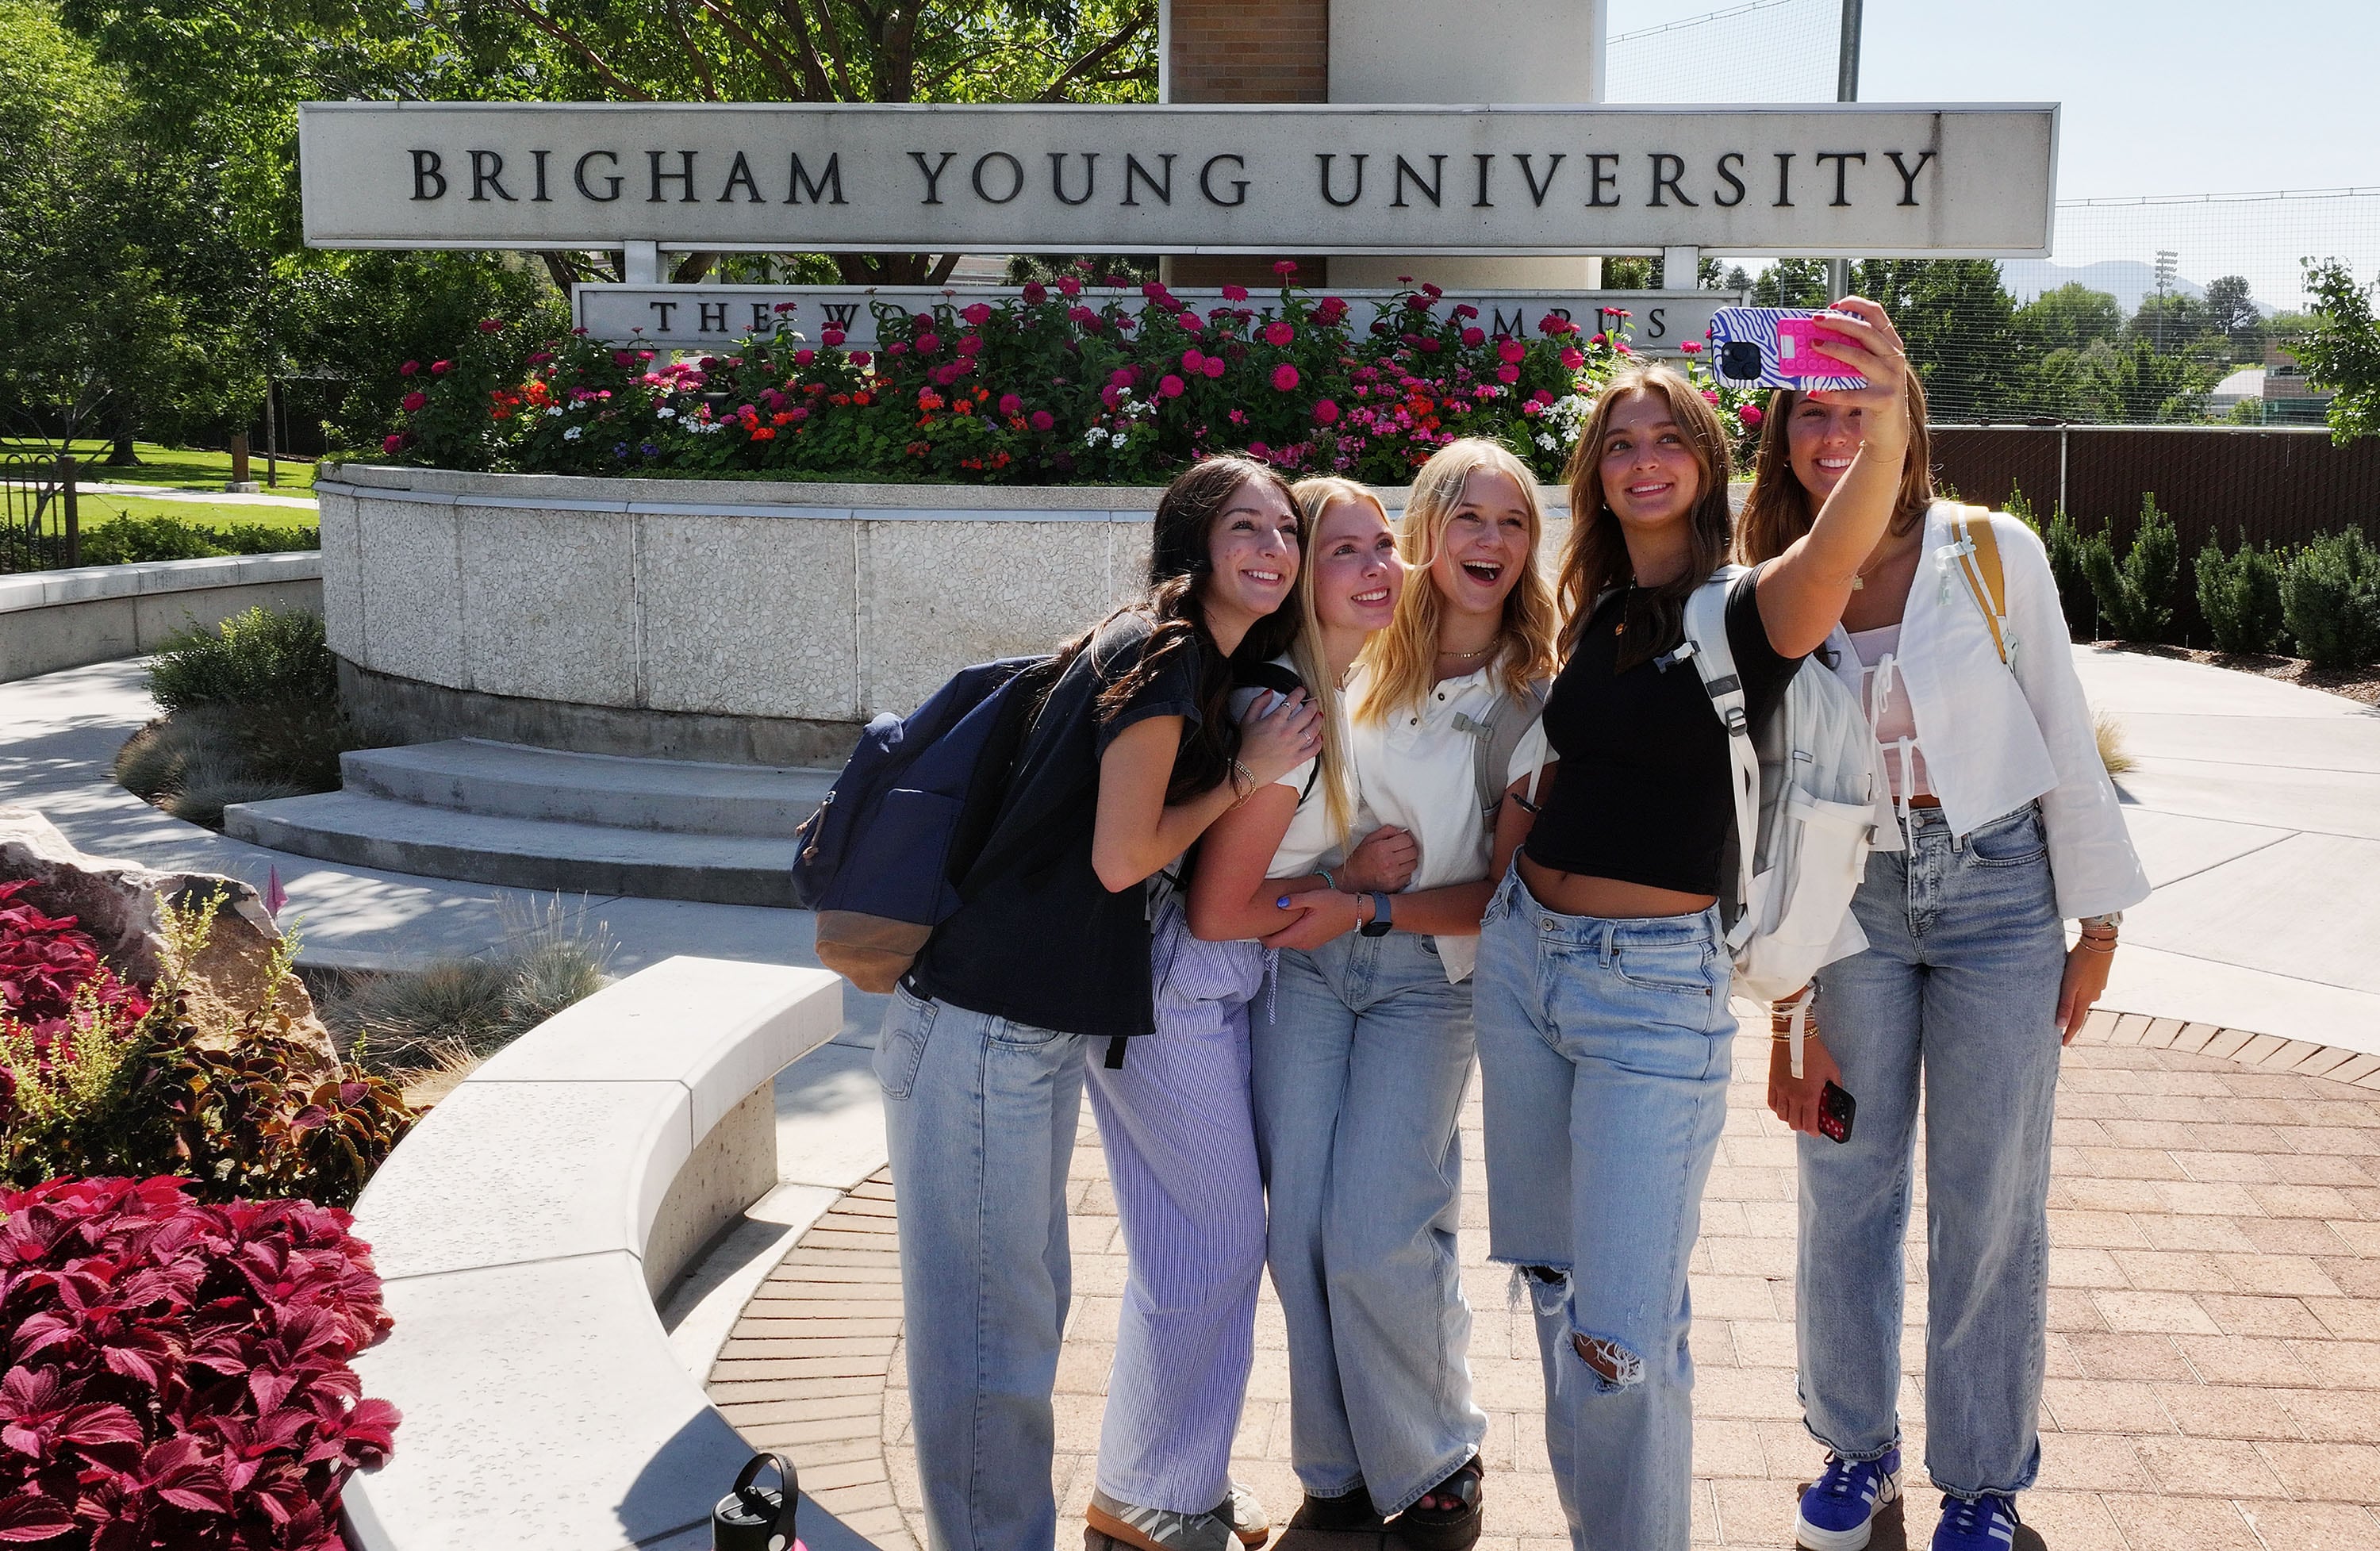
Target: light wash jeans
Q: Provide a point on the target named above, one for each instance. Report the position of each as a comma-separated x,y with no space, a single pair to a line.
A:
1362,1055
1959,983
980,1113
1182,1153
1605,1046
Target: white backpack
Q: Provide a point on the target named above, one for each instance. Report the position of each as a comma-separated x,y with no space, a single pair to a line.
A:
1810,801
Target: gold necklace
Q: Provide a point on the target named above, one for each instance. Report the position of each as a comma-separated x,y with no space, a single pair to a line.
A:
1467,656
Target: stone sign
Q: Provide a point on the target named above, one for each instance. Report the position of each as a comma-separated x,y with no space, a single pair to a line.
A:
696,315
1853,179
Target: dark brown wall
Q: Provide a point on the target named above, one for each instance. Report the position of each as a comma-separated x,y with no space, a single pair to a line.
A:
1236,51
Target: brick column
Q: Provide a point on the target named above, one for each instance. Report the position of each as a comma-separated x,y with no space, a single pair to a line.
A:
1245,51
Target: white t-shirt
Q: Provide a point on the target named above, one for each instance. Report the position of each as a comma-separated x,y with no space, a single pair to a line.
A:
1309,838
1414,771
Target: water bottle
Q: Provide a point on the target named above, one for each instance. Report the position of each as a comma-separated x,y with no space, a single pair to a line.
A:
755,1518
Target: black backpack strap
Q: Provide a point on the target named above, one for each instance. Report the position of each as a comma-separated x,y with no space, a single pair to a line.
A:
1281,681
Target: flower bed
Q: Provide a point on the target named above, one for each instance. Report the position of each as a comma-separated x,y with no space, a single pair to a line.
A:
1059,385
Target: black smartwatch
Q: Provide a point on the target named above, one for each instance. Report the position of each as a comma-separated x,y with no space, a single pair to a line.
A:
1380,924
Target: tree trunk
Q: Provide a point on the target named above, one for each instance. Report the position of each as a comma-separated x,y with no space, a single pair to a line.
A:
120,454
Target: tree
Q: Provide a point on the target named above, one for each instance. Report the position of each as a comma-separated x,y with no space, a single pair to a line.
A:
2341,350
2233,307
2069,317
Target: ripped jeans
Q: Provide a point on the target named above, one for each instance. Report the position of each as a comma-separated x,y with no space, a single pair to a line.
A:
1604,1046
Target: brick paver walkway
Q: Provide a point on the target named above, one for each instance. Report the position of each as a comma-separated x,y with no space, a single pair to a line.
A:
2215,1316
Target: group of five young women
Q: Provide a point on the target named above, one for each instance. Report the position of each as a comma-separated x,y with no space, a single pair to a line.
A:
1338,806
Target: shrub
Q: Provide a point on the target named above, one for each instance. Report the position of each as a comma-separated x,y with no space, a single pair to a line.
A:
2330,596
2240,595
459,1009
2108,734
2075,598
265,657
2136,598
173,1373
126,539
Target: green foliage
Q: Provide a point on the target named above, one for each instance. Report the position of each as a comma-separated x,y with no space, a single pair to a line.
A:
126,539
2239,595
2341,348
2064,543
2069,317
2330,596
469,1007
264,657
2136,596
198,760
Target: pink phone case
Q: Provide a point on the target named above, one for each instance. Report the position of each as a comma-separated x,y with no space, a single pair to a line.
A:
1796,355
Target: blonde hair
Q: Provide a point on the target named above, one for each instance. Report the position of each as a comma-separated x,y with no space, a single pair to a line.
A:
1596,560
1403,657
1778,510
1315,497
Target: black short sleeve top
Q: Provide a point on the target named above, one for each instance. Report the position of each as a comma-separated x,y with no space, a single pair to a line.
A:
1038,938
1644,792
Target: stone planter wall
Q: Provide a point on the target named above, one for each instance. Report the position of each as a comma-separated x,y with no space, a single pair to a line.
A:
701,619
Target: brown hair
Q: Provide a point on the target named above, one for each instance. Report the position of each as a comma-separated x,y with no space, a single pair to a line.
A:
1180,558
1779,509
1404,656
1596,557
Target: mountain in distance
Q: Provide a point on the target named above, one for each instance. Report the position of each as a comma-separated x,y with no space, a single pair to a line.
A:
2127,280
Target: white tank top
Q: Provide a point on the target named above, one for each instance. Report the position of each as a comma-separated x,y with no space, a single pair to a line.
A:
1890,714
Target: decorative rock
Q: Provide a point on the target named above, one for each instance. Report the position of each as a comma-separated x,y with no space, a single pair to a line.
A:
123,906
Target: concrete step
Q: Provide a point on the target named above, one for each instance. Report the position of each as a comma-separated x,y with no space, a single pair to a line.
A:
361,829
514,780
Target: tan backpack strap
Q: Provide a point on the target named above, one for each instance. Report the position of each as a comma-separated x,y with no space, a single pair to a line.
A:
1980,564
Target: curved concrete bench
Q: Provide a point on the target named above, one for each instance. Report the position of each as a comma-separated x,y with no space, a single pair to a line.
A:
522,1230
97,613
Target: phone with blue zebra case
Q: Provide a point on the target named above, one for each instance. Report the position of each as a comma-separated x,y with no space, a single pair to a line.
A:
1745,350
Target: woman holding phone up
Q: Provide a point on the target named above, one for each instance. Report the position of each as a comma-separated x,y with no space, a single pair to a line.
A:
1604,1028
1967,987
1364,1051
1129,757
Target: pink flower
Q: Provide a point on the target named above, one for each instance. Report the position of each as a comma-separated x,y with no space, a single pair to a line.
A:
1036,293
1432,292
1710,396
1465,310
392,443
1284,377
1330,311
831,338
1511,352
805,356
1507,374
860,359
1325,411
1110,395
1193,360
414,401
1573,357
975,315
440,369
1213,366
1236,293
1042,419
786,306
1748,413
1010,405
408,368
1124,376
971,346
1284,266
619,357
491,325
1600,339
895,348
1474,335
928,343
1169,387
1691,347
1069,286
1279,333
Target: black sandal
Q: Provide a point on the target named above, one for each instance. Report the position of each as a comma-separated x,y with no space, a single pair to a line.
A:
1446,1529
1351,1513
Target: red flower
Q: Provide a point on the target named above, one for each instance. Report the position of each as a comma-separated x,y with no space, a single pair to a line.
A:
414,401
928,343
1572,358
805,356
440,369
393,443
1284,377
1069,286
1284,267
1507,374
1236,293
408,368
1691,347
1169,386
1325,411
831,338
976,314
972,345
1474,335
1748,413
1036,293
1278,331
491,325
1511,352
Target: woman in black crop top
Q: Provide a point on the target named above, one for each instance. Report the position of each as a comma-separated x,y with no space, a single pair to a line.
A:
1603,977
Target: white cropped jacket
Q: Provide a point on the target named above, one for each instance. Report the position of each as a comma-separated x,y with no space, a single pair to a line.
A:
1995,735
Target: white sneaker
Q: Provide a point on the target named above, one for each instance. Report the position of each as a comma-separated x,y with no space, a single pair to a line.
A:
1158,1529
1246,1516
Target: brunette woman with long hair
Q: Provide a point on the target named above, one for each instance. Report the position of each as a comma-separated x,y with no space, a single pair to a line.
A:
1603,1027
1130,756
1967,989
1363,1053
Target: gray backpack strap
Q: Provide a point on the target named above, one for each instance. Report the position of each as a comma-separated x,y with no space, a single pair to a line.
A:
1493,741
1714,658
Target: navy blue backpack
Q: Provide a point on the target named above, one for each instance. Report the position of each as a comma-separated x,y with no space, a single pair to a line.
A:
912,808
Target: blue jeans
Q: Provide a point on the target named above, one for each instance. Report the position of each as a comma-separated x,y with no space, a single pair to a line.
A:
1361,1057
979,1113
1181,1156
1605,1047
1959,985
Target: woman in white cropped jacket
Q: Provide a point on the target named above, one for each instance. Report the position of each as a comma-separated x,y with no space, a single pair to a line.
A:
2010,828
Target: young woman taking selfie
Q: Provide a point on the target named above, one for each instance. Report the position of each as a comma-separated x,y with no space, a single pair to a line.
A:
1129,757
1604,1028
1967,987
1364,1049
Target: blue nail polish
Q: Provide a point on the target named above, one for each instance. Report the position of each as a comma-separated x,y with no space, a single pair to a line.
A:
1282,904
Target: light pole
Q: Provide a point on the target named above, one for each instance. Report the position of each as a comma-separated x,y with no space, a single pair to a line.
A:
2168,266
1847,53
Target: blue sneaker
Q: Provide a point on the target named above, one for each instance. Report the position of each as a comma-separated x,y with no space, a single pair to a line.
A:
1840,1508
1984,1523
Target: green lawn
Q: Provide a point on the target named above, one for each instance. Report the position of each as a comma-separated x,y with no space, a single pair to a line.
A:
93,510
182,467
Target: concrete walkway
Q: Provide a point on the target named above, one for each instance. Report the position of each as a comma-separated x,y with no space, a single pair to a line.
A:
183,492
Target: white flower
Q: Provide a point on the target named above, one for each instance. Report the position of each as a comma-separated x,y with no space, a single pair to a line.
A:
666,413
1546,442
1094,437
554,409
573,433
